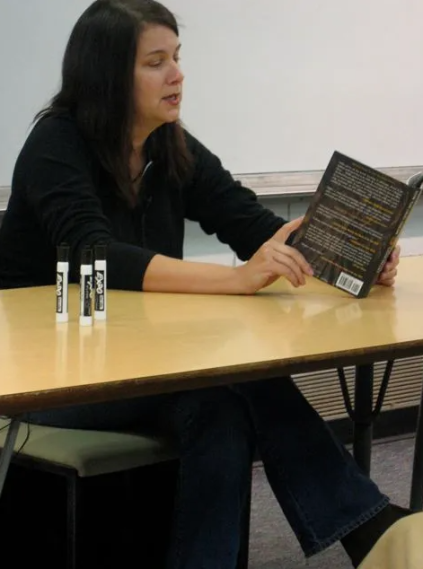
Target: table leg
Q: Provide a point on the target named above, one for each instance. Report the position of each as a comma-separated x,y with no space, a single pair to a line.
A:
6,453
416,494
363,416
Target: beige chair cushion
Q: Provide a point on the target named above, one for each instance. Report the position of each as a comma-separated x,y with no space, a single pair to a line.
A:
90,453
400,547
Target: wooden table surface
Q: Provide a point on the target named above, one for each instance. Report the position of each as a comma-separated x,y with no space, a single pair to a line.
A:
153,343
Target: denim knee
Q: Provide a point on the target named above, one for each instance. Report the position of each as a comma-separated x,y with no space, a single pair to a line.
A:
215,425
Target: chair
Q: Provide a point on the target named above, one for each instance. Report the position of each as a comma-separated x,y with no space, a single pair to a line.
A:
113,464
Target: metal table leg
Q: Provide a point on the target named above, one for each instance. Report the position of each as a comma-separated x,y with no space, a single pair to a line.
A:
6,453
363,421
416,494
363,415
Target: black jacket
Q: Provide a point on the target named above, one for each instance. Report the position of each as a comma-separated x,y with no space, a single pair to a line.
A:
60,193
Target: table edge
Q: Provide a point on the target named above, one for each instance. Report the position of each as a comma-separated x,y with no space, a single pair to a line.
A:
21,403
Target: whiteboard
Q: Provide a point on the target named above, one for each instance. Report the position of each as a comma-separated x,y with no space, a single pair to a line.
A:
270,85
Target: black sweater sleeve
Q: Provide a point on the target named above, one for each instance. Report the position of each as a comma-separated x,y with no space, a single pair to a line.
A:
62,194
223,206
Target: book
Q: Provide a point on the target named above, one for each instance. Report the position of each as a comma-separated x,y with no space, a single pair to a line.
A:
353,223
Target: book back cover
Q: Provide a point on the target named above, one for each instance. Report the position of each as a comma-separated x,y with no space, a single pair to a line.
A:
352,224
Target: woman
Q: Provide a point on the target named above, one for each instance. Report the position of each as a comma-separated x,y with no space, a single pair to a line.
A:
108,161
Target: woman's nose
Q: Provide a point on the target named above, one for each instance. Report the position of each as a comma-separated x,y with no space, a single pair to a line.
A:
176,76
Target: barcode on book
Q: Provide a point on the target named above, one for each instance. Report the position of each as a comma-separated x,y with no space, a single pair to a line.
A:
350,284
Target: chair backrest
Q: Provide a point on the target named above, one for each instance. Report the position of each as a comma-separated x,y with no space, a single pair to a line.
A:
416,180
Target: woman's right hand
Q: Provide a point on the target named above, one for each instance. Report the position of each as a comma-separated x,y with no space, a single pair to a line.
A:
273,260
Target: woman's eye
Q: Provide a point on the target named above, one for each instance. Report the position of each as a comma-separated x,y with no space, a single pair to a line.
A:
159,62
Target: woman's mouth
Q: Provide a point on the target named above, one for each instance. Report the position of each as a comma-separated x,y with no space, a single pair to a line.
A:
173,99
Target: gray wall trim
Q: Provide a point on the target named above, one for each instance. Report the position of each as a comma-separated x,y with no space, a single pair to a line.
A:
297,184
287,184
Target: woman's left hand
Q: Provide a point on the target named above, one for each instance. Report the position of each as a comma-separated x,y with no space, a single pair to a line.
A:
390,270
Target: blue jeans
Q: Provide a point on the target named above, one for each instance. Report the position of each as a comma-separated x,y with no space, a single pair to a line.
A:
321,490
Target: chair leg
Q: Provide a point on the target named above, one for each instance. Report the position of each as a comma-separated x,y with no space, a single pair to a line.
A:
244,545
416,494
72,528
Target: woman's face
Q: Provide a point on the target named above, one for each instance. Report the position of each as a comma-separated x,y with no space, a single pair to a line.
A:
158,78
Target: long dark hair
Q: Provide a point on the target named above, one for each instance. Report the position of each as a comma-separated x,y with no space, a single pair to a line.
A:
98,83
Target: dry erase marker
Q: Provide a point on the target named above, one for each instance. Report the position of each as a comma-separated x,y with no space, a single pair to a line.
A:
100,282
85,288
62,283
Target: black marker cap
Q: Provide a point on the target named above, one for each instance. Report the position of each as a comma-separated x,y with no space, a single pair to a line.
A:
86,257
100,251
63,253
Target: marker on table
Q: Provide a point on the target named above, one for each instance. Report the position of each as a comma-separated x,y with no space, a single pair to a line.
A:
62,283
100,282
85,291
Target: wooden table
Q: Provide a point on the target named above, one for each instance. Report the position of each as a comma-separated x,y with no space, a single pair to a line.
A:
154,343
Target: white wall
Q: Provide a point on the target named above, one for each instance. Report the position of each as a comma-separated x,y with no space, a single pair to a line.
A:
277,85
271,85
33,35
